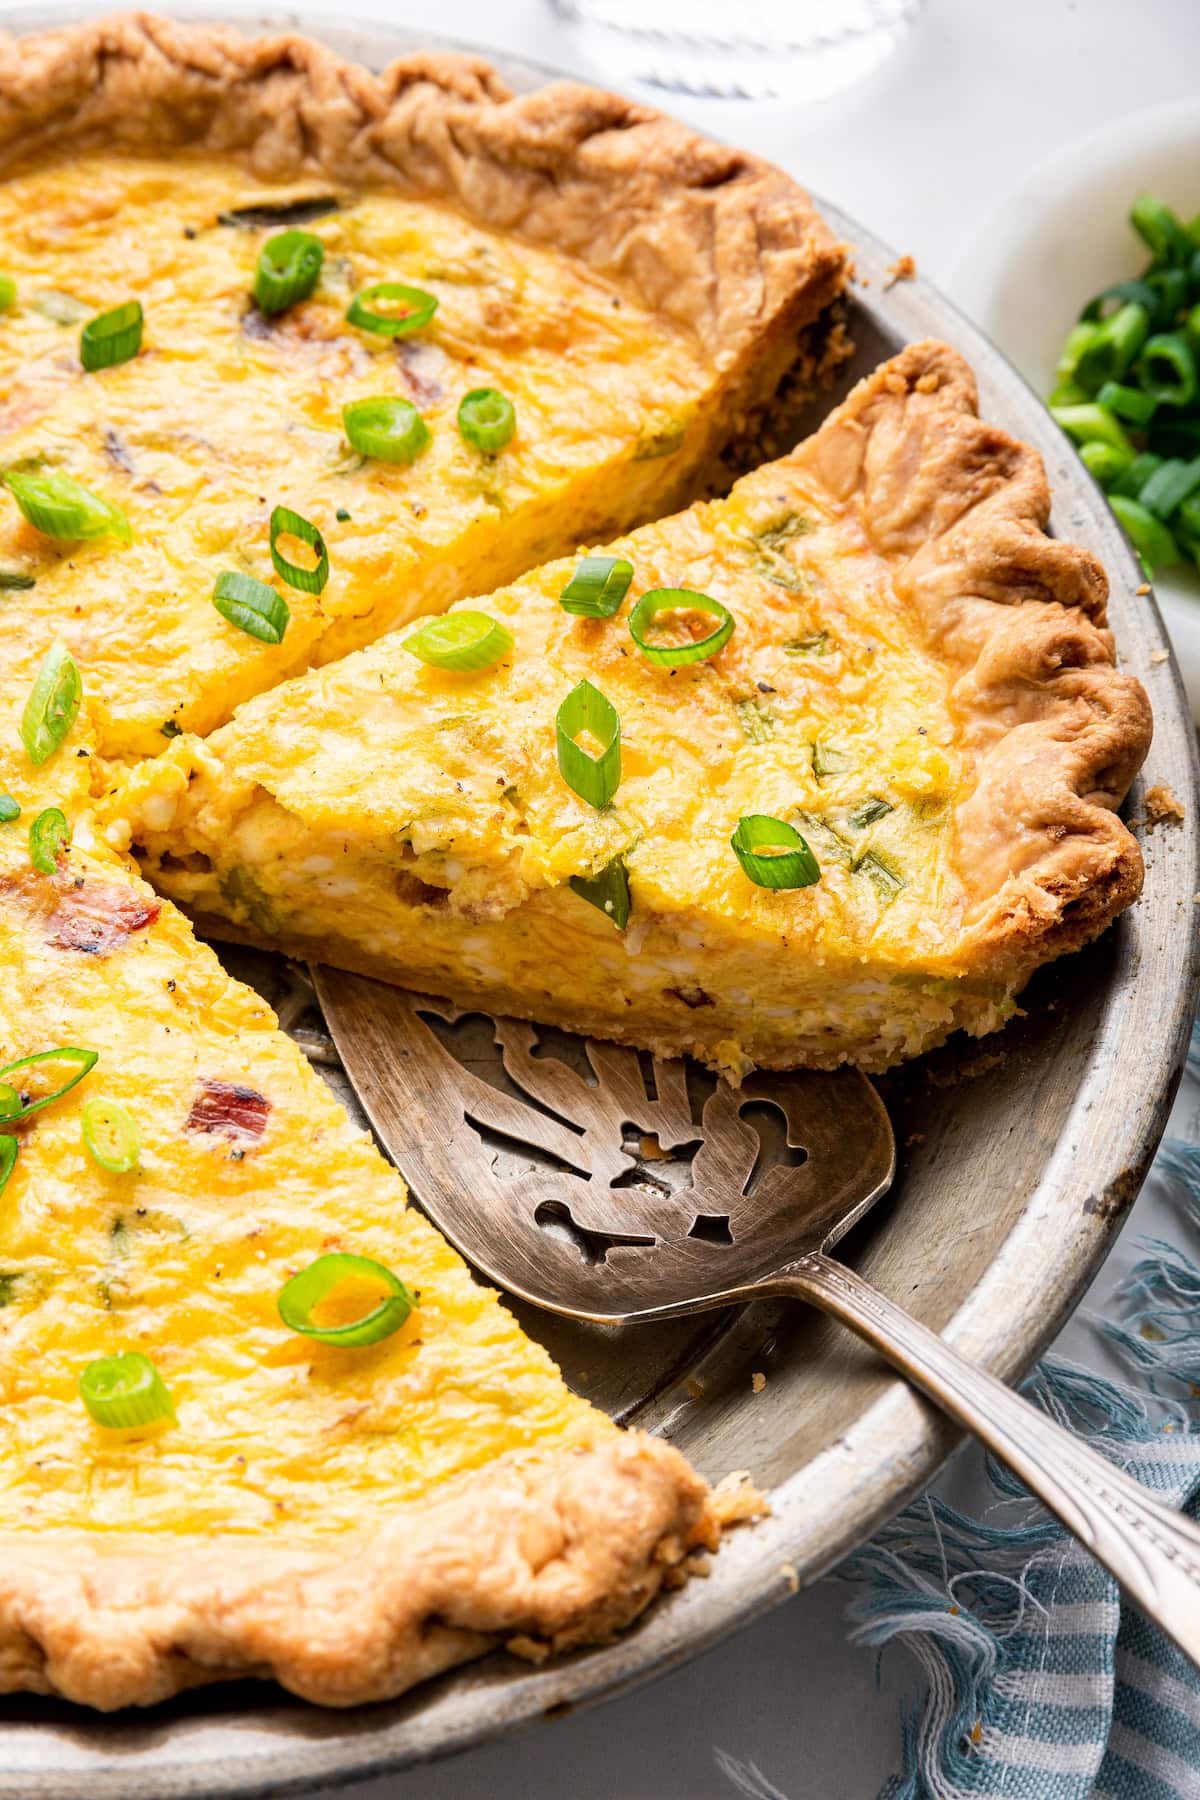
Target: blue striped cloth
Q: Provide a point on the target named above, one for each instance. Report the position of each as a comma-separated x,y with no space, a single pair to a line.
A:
1040,1681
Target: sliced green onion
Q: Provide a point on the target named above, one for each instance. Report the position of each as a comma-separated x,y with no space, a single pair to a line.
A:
1104,463
1159,229
1170,486
289,267
661,600
1148,535
608,891
110,1136
11,1106
8,293
125,1391
10,809
418,308
48,836
300,1297
1092,424
53,704
391,431
251,605
594,778
1166,369
869,812
61,507
1137,474
1114,346
461,641
1077,341
487,419
8,1159
16,581
79,1061
59,308
1127,402
285,522
1169,287
773,854
112,337
1139,292
597,587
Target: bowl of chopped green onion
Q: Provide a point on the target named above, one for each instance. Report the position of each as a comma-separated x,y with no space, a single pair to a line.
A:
1089,281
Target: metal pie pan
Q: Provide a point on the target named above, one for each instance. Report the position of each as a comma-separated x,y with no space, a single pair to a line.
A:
1020,1157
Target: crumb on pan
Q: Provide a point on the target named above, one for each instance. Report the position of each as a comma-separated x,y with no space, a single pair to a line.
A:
736,1501
1162,806
758,1382
903,269
1144,589
1160,656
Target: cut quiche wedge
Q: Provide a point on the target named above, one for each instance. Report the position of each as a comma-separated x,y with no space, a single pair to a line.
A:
917,705
349,1518
636,296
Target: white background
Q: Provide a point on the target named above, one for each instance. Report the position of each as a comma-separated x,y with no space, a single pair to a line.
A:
922,153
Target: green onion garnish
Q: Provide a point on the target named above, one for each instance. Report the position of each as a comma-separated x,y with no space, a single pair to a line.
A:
48,836
125,1391
79,1061
390,431
286,523
597,587
8,293
251,605
461,641
10,809
487,419
61,508
8,1159
1128,403
53,704
110,1136
661,600
112,337
1167,369
1159,229
289,267
300,1297
418,308
10,1103
594,778
608,891
1092,424
1149,536
773,854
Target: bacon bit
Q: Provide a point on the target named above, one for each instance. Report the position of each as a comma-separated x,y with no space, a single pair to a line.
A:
903,269
97,918
228,1110
423,384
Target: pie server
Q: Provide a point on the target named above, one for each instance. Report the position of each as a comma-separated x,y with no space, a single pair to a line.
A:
555,1177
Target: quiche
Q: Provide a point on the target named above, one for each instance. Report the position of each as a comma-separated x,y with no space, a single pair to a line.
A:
816,773
347,1512
364,344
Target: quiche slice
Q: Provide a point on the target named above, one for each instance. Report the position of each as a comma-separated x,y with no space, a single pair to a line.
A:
192,1488
252,296
861,789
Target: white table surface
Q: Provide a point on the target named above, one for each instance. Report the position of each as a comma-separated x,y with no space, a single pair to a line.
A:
922,153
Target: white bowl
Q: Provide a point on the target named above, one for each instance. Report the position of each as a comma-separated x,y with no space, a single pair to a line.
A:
1062,235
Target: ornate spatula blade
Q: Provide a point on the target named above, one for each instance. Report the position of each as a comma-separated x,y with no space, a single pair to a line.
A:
596,1179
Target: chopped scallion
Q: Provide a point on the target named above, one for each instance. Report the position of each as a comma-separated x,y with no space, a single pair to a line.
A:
289,267
487,420
124,1392
773,854
53,704
300,1298
46,1062
607,891
286,523
112,337
388,430
49,836
110,1136
10,809
594,778
657,601
60,507
252,606
597,587
461,641
8,1159
416,309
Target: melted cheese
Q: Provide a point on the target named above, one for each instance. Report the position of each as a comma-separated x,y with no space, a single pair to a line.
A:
184,1257
225,414
414,822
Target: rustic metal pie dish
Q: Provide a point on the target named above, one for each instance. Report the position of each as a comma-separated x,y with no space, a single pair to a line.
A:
1019,1161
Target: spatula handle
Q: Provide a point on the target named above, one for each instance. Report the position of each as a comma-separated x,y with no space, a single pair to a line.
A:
1153,1551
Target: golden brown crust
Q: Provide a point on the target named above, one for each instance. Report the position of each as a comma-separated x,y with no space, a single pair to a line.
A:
552,1552
1056,733
713,239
